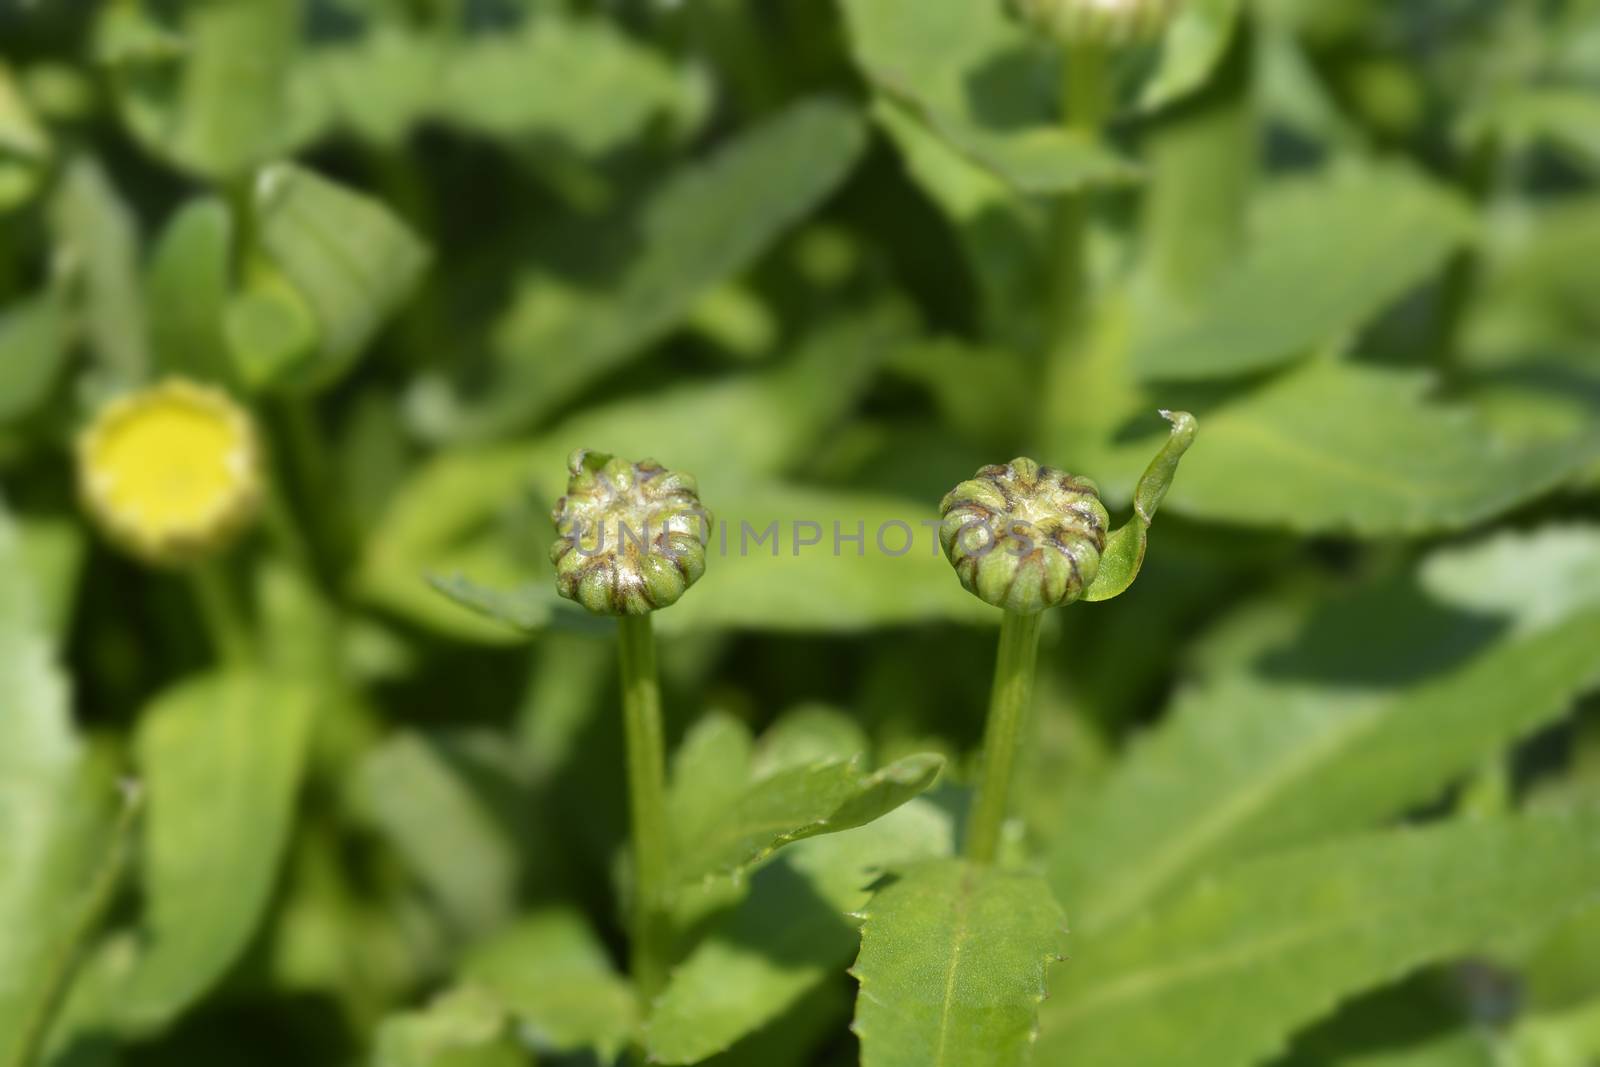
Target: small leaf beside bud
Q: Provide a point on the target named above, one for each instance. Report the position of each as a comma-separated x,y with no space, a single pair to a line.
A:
632,536
1104,23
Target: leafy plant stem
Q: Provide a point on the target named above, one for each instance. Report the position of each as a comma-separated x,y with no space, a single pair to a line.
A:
647,798
1002,739
220,609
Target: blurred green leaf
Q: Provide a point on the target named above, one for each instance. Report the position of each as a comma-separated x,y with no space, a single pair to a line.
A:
97,237
1375,705
551,972
1191,49
34,345
463,1028
1405,466
710,768
952,966
208,91
436,806
1223,976
1326,254
1566,118
347,256
792,805
25,146
222,757
187,290
710,221
60,848
977,80
468,512
789,935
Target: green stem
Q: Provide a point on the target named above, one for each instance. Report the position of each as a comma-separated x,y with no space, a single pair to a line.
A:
647,798
1002,738
225,624
1085,102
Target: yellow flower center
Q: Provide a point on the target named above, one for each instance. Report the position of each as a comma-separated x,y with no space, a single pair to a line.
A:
171,471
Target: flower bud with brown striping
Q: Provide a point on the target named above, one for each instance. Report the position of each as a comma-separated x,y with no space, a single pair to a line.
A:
632,536
1024,537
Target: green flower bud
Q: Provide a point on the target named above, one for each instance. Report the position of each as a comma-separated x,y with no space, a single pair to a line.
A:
1024,537
632,536
1107,23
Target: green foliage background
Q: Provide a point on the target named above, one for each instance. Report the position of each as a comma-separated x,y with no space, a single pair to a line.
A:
1322,789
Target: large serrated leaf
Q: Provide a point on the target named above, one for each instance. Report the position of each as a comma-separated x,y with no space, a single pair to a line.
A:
973,76
222,757
1225,973
1327,253
709,222
1376,705
787,936
462,1028
792,805
952,966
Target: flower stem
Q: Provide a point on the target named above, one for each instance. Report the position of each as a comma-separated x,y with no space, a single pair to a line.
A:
1002,739
647,797
219,608
1084,104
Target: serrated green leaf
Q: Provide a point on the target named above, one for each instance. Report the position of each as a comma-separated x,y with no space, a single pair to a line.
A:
809,733
552,973
972,75
710,221
952,966
792,805
221,757
462,1028
1374,706
347,256
787,936
710,768
1223,975
187,290
1326,255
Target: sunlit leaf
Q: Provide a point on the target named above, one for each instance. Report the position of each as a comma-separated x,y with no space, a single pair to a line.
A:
1225,973
952,966
187,292
792,805
791,933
